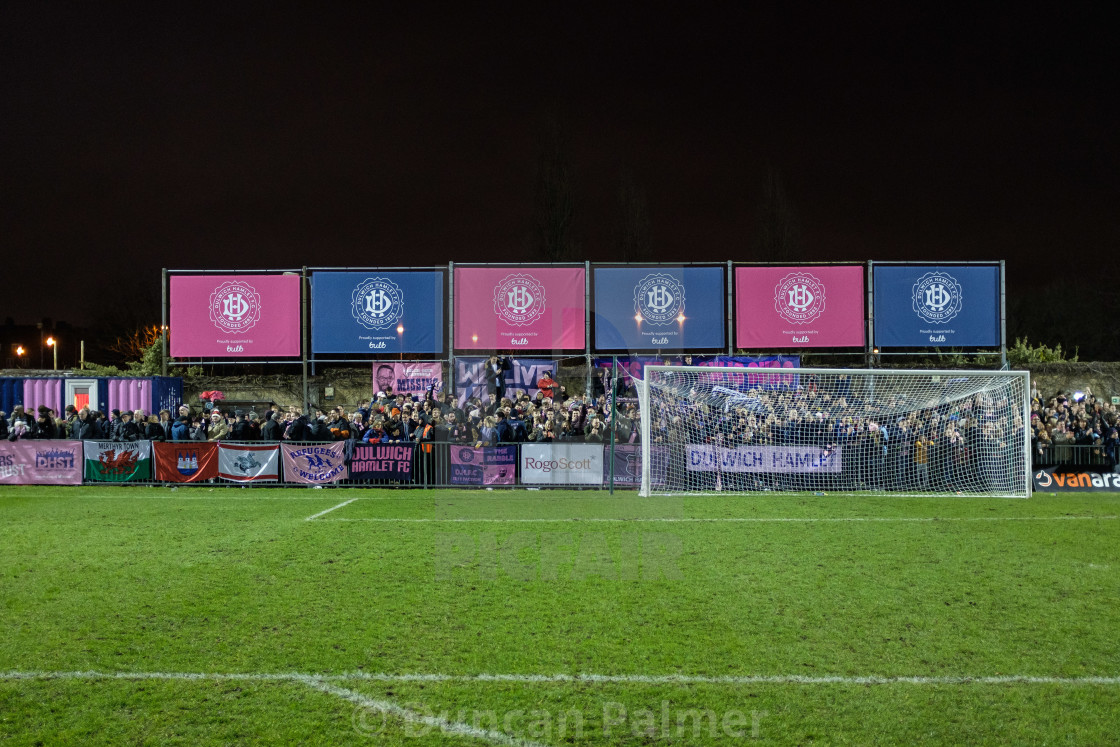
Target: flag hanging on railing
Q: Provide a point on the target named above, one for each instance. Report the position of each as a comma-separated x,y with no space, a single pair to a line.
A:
112,461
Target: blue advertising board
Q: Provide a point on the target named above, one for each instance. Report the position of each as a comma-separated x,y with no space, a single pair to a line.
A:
377,312
936,305
659,308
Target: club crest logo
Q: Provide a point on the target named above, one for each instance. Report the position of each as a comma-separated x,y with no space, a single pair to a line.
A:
937,297
377,303
658,298
799,298
519,299
235,307
466,456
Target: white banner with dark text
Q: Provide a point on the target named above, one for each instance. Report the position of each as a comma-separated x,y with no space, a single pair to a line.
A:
562,464
783,459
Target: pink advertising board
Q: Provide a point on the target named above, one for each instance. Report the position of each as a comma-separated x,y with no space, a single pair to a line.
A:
234,316
519,308
799,307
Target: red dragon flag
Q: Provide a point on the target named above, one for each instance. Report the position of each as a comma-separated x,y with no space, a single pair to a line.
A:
109,461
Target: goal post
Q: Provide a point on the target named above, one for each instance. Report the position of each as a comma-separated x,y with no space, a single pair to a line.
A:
714,429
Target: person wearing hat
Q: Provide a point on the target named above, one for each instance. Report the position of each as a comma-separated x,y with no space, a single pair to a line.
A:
218,428
127,430
181,429
319,431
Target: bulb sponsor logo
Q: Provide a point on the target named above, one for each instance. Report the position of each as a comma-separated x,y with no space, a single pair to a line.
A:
659,341
937,297
937,338
519,299
659,298
799,298
519,341
377,303
235,307
235,348
802,338
377,345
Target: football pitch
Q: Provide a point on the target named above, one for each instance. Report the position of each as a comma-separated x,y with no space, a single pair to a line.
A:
344,616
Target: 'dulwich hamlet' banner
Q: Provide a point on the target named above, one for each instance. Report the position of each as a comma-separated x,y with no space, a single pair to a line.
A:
377,312
383,462
937,306
235,316
659,308
519,308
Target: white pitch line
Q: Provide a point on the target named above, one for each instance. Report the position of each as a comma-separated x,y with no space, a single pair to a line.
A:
392,709
332,508
637,679
724,519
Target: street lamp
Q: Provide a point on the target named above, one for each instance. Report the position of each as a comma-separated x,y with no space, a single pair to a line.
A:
53,344
19,355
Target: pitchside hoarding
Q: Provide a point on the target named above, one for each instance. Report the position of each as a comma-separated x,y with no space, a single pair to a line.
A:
235,316
659,308
519,308
561,464
408,377
377,312
936,306
799,307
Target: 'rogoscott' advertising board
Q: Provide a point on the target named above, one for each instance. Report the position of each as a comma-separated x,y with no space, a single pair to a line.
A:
377,312
659,308
235,316
514,308
561,464
936,306
799,307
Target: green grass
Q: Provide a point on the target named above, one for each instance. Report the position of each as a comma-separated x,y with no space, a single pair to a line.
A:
134,581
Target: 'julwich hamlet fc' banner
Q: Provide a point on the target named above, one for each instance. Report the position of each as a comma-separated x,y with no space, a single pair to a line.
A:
383,462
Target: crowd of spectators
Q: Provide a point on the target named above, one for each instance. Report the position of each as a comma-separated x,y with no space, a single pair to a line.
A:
921,446
1074,419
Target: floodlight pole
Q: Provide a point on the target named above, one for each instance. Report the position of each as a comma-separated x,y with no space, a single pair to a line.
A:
614,412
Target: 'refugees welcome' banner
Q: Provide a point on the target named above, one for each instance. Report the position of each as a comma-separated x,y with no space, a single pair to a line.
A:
519,308
112,461
315,464
235,316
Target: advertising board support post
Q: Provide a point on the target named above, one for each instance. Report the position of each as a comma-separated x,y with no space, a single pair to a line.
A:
614,414
163,328
305,292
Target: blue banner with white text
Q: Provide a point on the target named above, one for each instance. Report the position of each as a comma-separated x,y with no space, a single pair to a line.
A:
378,312
930,306
659,308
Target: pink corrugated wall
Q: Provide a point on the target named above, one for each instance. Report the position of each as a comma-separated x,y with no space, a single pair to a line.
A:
130,394
43,392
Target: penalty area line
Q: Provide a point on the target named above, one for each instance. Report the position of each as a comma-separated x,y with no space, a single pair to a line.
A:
316,680
711,520
332,508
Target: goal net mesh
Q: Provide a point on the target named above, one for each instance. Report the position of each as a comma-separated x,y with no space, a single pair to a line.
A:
707,430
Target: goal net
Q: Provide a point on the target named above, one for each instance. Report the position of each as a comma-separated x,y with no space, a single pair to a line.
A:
713,429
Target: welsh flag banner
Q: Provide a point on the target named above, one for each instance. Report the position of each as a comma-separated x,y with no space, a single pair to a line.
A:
185,461
243,463
315,464
109,461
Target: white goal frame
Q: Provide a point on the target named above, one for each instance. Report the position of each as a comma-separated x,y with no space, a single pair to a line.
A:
1024,490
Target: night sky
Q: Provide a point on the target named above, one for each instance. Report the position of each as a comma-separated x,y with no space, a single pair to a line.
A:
136,137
